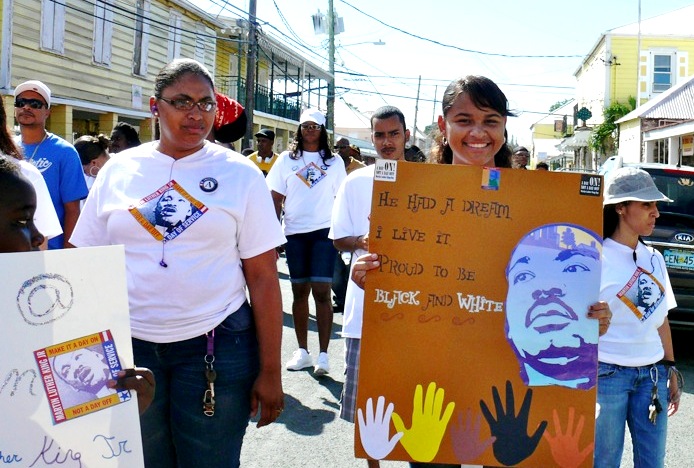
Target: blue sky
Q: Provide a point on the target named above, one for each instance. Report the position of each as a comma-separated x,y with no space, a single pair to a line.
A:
559,33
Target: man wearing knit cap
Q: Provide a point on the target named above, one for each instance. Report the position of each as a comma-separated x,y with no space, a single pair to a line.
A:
264,158
55,158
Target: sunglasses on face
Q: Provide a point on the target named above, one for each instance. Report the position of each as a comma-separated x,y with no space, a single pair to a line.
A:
33,103
206,105
310,127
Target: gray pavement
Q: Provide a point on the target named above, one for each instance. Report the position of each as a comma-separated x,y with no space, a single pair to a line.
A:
311,434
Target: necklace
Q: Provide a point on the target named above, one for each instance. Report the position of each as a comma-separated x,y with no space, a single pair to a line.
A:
31,159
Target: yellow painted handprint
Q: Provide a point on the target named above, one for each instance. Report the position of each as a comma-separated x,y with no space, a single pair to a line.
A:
423,439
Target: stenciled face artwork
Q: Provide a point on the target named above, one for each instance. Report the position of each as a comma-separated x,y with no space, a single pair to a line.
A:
550,270
172,209
83,369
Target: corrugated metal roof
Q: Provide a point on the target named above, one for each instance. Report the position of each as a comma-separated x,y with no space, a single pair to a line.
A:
676,103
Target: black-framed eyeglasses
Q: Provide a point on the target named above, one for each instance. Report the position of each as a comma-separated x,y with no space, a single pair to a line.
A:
206,105
310,126
339,147
33,103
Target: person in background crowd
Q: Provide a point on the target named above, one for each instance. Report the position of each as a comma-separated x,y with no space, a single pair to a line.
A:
350,233
304,180
638,383
520,158
414,154
230,121
542,166
265,157
55,158
123,136
355,153
45,217
216,358
472,131
345,150
93,152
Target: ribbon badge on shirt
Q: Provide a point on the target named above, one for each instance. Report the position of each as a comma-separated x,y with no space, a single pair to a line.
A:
311,174
167,212
642,294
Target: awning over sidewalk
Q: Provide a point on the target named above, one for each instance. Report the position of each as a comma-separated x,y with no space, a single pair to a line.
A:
578,140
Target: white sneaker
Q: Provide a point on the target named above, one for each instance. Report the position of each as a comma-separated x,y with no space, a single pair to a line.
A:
322,365
301,359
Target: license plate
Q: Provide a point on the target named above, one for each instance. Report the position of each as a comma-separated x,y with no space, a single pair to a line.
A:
679,259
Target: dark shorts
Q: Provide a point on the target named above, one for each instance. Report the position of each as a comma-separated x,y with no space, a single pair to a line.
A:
310,257
348,400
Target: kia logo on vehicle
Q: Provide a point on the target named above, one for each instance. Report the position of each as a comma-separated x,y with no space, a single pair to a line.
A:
684,237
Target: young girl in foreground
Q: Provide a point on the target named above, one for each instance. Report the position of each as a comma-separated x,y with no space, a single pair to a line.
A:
472,132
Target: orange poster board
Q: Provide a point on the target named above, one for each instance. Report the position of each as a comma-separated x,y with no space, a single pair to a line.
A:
476,348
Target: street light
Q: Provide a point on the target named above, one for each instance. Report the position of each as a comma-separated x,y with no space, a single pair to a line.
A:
378,42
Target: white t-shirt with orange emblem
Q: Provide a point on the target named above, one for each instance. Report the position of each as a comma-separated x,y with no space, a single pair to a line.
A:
199,215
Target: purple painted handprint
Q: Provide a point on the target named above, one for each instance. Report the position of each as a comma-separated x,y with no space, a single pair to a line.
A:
465,438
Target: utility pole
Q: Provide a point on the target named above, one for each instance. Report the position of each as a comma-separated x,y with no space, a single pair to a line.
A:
330,117
251,58
416,109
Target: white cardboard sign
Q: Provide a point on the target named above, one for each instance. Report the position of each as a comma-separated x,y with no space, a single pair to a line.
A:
60,306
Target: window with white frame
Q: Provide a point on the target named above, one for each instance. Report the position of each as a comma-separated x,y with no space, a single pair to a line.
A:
663,72
174,49
103,31
141,42
53,26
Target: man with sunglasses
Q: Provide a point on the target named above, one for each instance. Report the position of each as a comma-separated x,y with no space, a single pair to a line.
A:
55,158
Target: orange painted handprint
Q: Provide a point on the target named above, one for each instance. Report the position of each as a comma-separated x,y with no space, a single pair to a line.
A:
565,446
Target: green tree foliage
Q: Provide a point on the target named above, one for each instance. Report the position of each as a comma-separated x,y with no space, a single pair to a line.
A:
606,136
558,104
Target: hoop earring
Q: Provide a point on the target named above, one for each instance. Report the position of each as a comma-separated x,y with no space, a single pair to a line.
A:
91,171
444,141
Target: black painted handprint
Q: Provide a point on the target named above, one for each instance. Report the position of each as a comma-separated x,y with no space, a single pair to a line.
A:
513,444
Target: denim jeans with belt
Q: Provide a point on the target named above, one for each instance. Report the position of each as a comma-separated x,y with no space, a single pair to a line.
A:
175,432
624,395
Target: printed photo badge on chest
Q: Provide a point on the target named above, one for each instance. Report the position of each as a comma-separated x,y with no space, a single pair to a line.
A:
167,212
311,174
74,375
642,294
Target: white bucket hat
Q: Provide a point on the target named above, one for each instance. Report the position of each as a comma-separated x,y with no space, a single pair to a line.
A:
631,184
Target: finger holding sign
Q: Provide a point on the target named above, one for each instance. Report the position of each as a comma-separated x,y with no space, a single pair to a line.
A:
139,379
363,264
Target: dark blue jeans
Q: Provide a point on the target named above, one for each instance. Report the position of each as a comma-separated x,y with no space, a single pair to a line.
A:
175,432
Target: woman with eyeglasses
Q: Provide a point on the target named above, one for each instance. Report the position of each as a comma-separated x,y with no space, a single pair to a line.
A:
638,383
215,357
304,180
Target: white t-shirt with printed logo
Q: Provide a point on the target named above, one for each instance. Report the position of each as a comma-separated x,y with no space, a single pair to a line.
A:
640,296
200,215
309,186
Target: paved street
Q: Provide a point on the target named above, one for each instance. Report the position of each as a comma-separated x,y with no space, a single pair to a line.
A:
310,433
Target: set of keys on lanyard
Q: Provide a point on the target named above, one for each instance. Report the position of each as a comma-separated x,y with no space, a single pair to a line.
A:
210,376
655,407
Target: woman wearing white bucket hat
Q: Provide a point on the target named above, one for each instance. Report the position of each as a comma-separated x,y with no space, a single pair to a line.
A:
637,381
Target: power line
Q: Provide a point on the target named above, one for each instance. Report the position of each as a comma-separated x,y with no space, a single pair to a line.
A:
489,54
